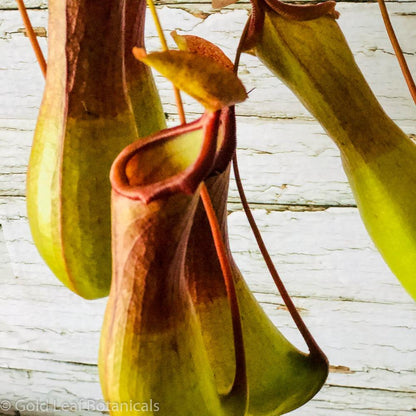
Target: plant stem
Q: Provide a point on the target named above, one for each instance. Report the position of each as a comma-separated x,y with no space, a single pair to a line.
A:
32,36
162,38
397,50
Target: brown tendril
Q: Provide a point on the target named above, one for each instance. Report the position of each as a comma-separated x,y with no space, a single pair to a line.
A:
313,346
397,50
32,37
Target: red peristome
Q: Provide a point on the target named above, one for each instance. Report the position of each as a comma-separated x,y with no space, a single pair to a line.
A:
303,11
186,181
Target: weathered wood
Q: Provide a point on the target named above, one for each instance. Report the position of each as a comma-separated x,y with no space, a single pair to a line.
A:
341,286
285,146
30,4
355,307
299,164
330,401
361,24
42,4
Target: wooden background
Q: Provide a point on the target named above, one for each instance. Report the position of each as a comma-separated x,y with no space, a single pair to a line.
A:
361,316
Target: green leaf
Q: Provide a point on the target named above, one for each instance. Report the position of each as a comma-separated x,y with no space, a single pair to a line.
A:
199,76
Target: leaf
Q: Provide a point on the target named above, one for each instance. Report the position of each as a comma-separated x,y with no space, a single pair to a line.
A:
202,47
199,76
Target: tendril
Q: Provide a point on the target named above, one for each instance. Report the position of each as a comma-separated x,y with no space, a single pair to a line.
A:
398,50
32,37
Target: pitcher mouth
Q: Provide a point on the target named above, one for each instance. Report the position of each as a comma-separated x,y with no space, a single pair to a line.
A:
176,159
171,161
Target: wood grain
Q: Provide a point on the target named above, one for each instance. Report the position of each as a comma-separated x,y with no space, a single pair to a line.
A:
361,316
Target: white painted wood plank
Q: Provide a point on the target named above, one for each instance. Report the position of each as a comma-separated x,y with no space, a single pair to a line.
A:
378,352
20,77
331,401
77,385
328,254
289,162
30,4
362,25
325,254
364,30
355,307
335,401
293,163
83,394
362,317
48,332
285,148
35,4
